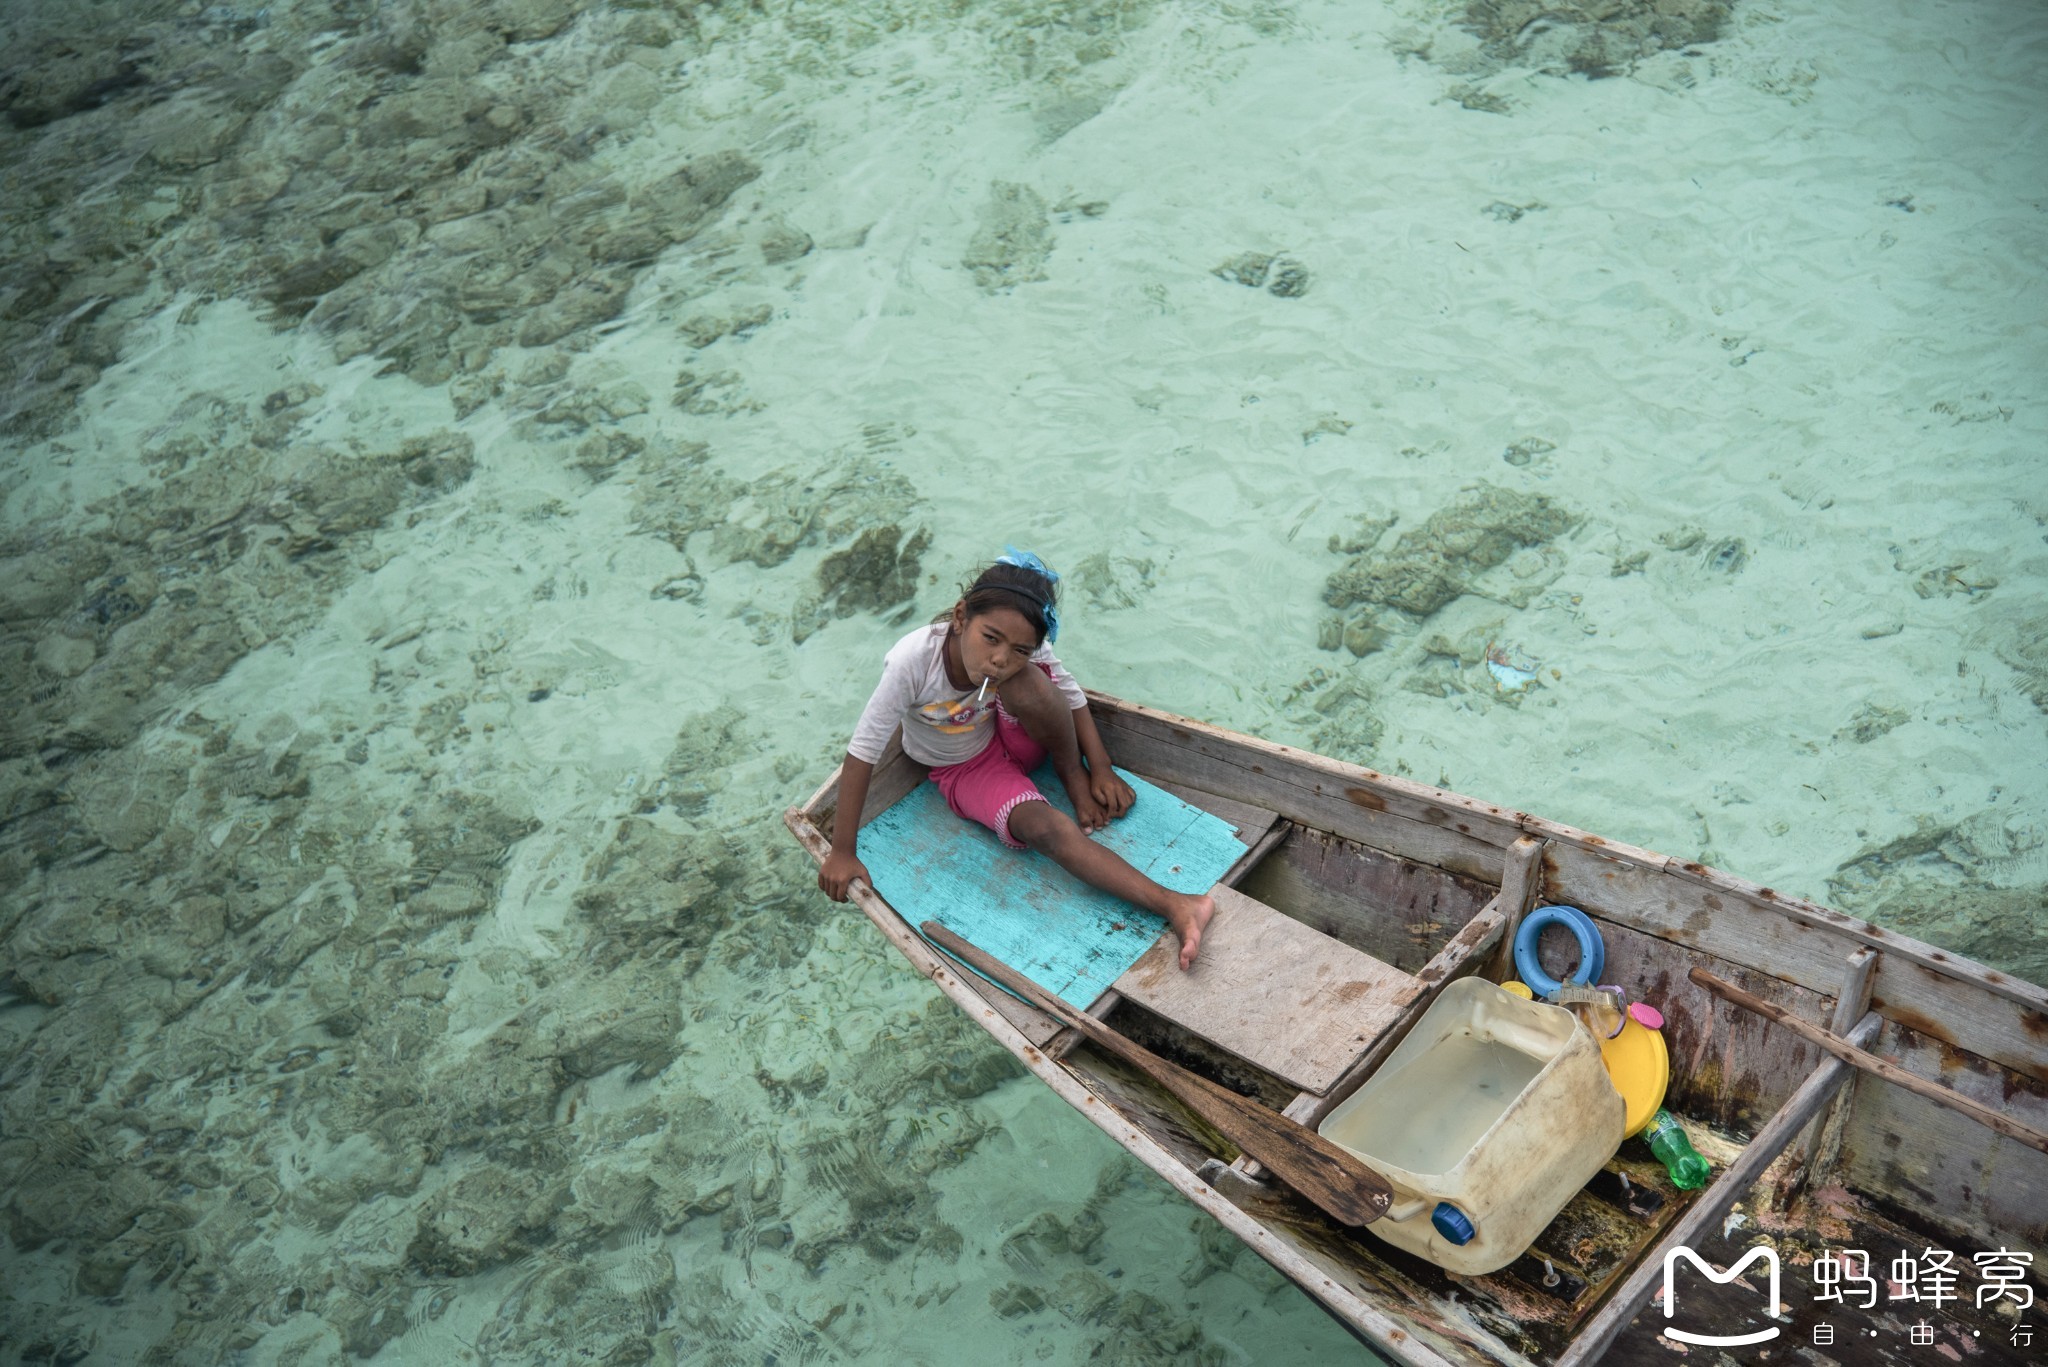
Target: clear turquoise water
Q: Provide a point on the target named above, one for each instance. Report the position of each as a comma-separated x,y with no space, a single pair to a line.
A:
434,434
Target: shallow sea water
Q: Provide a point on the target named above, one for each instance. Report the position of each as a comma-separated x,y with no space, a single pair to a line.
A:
464,462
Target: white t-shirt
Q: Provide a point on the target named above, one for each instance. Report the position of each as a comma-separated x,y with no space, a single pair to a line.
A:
941,723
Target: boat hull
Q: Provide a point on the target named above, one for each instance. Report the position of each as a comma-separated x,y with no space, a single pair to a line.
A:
1809,1147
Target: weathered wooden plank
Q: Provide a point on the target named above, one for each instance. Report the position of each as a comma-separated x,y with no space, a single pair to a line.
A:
1943,1167
1030,1022
1706,1213
1976,1008
1234,876
1931,1002
1028,912
1341,1186
1823,1136
1397,910
1897,948
1728,1067
1269,989
1866,1062
1248,821
1521,882
1064,1041
1464,953
1722,922
1418,802
1301,793
896,776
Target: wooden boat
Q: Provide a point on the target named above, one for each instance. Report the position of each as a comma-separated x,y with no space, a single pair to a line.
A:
1406,888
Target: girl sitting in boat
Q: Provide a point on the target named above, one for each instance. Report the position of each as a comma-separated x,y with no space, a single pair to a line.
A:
983,700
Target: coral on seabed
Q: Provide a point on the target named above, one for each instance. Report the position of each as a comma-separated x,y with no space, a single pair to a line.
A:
1588,38
1978,886
1600,38
1430,565
420,183
1014,238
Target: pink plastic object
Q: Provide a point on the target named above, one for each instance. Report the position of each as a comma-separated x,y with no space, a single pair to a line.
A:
1646,1015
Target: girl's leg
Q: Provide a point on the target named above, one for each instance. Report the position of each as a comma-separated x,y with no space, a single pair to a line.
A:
1041,709
1054,834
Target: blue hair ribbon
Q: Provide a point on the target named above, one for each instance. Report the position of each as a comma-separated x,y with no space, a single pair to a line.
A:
1025,560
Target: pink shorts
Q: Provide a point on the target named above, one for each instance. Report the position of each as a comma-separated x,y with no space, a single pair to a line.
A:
989,786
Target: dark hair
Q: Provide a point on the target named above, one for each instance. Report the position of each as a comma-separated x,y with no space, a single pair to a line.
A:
1012,586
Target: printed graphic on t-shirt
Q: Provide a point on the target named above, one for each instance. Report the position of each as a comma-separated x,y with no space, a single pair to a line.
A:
955,716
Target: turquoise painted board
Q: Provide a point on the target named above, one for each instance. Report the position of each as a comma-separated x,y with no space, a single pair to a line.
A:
1028,911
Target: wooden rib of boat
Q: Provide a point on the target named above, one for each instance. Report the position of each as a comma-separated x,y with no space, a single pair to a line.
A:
1408,887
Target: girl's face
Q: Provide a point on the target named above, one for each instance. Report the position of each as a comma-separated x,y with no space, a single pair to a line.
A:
994,644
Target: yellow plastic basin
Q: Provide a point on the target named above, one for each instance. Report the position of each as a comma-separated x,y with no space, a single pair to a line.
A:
1640,1070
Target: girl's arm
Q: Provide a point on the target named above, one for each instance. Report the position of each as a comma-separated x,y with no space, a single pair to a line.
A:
878,720
843,865
1092,748
1113,793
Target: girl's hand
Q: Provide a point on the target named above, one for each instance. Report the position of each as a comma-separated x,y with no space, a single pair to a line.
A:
1110,792
837,873
1088,814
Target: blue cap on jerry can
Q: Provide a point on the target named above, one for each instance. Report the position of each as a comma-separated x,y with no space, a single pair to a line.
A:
1451,1223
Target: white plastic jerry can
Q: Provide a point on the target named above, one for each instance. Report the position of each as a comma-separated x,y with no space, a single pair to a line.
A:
1485,1120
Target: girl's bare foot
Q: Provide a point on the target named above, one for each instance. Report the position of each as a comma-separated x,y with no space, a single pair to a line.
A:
1189,916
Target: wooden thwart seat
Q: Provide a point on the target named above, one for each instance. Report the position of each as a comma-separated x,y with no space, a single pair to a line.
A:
1273,991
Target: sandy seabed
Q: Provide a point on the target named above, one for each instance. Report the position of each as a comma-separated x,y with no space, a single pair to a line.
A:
463,464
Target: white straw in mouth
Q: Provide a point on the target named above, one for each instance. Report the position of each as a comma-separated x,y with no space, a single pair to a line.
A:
981,692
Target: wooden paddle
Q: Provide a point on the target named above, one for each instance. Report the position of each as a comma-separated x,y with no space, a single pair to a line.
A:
1871,1063
1346,1189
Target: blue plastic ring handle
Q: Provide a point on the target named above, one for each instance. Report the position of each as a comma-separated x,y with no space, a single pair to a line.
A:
1585,923
1592,949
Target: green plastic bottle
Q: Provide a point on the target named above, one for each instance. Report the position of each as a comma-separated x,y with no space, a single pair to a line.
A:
1669,1142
